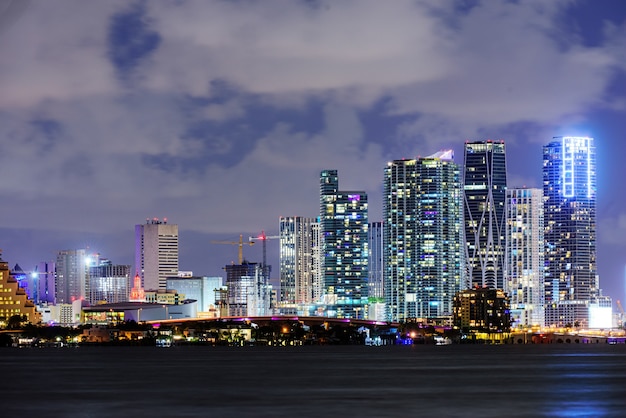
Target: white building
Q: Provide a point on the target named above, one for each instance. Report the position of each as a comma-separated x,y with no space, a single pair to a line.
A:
156,253
201,289
524,256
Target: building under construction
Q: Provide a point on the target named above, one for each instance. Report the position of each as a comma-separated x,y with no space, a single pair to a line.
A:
249,291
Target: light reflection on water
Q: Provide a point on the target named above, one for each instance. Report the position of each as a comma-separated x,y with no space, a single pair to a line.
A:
452,381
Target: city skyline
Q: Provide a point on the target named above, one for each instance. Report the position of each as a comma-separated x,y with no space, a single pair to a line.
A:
219,116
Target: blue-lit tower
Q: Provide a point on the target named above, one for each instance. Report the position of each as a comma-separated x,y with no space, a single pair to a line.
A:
484,190
344,231
569,189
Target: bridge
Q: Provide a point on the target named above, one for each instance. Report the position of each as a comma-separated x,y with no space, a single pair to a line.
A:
305,320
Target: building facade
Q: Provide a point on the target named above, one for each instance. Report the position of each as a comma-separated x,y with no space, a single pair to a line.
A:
344,230
484,191
376,262
422,237
108,282
71,276
569,188
524,261
299,270
247,292
13,299
482,310
200,288
156,253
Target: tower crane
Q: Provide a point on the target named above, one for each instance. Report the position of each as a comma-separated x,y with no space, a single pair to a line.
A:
264,239
240,243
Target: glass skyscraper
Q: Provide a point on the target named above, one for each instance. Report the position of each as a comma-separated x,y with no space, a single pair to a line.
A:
422,236
344,230
569,188
484,187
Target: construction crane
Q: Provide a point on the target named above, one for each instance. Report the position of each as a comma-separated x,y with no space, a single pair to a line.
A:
240,243
621,309
263,238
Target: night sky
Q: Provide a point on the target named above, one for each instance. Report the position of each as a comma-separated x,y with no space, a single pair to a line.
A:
219,115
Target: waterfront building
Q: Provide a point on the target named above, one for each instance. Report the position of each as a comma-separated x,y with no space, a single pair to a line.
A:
113,313
71,276
344,230
300,282
422,237
156,252
569,188
248,294
13,299
200,288
524,261
108,282
484,190
482,310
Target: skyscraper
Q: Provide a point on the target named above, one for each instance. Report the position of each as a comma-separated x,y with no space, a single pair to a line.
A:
484,189
298,266
156,253
71,276
343,225
525,256
376,261
569,188
422,236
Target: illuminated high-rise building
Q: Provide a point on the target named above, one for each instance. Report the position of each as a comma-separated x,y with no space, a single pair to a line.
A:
343,226
484,190
108,282
376,261
156,253
71,276
298,266
525,256
422,237
569,188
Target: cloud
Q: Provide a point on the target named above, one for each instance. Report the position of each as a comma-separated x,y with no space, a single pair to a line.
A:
223,112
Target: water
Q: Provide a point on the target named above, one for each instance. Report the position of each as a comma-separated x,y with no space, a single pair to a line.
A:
448,381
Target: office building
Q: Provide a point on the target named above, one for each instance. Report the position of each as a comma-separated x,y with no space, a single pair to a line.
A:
71,276
156,253
569,188
344,230
247,292
199,288
108,282
484,189
422,237
525,256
